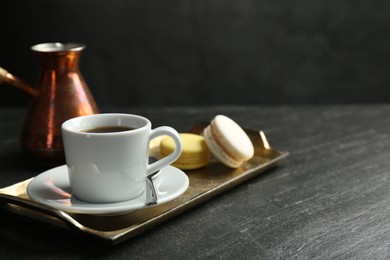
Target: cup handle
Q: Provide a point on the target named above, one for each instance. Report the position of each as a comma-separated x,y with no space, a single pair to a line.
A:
158,165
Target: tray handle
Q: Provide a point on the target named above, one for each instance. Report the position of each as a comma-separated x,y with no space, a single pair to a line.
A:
34,206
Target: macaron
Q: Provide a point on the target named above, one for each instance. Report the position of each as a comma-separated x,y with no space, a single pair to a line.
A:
228,142
195,153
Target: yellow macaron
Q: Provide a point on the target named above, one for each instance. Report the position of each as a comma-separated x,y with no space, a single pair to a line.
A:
195,153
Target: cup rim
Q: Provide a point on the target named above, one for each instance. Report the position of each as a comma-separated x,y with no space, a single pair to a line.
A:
66,126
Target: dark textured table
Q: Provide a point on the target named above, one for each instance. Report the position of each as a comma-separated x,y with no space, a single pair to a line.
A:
330,199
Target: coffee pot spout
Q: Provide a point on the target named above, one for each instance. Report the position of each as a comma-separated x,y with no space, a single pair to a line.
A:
6,77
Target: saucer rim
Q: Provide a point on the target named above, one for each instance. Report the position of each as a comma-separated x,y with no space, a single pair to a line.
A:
106,208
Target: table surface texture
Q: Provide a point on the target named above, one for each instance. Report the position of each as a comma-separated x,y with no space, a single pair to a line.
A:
329,199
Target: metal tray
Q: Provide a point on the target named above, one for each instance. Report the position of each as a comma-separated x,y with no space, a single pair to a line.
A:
205,183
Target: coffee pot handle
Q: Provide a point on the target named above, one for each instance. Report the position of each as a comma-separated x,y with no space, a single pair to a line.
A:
6,77
169,131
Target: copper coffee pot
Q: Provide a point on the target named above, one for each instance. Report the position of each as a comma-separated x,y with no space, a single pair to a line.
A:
61,94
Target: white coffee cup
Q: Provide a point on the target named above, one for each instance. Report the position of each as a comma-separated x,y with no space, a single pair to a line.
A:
112,166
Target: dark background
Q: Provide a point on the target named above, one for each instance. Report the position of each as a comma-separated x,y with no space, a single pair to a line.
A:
208,52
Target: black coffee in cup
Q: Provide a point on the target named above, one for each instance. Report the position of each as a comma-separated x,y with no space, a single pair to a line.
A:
107,129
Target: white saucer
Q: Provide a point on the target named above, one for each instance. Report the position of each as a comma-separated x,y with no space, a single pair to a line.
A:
52,188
